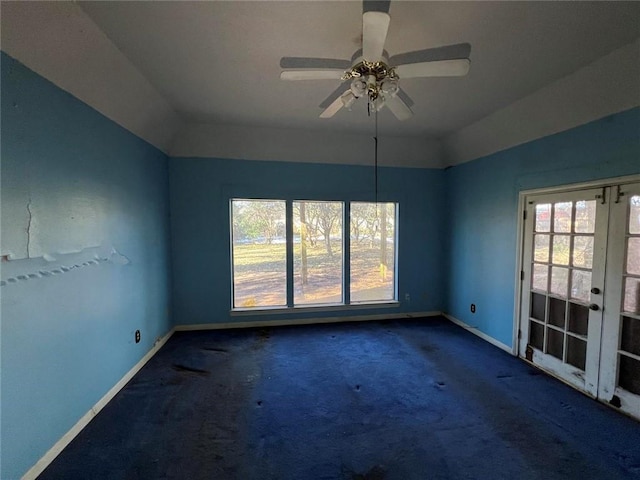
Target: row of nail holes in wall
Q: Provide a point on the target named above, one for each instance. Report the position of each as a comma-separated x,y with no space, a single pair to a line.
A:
47,273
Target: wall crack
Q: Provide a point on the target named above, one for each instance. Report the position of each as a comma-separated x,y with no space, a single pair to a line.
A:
29,227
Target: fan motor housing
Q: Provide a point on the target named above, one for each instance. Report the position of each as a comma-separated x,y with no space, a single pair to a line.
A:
364,68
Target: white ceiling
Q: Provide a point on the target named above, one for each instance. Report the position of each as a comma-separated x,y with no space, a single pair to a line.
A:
218,62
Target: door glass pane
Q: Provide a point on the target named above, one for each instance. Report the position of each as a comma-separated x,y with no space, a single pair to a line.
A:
582,251
585,216
578,319
536,335
557,309
372,256
581,285
555,343
541,252
634,214
538,306
561,245
540,277
629,374
576,352
259,253
632,295
633,255
543,217
630,339
562,217
559,281
317,252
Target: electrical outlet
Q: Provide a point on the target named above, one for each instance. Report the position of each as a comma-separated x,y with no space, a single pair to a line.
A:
407,297
473,308
137,336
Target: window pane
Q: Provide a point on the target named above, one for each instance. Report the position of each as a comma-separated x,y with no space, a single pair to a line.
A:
259,253
559,281
536,335
632,295
578,319
585,216
562,217
629,374
633,255
582,251
317,252
555,343
576,352
541,252
557,312
373,236
540,277
630,338
580,285
561,246
543,217
538,306
634,214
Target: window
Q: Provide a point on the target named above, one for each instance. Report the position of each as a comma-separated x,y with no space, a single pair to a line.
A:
373,243
317,252
259,253
316,249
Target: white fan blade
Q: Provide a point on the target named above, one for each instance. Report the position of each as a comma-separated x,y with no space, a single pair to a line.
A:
332,109
405,98
374,34
446,52
343,87
442,68
318,63
324,74
398,108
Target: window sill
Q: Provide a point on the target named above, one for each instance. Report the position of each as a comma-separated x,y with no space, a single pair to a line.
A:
240,312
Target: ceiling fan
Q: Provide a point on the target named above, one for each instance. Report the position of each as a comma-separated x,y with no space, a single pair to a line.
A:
372,74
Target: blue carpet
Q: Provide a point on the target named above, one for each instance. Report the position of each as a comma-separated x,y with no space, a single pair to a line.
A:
403,400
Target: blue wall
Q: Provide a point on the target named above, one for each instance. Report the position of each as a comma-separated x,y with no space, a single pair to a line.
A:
200,193
68,322
91,202
482,210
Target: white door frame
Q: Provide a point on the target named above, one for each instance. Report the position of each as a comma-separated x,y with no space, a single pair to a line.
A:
609,391
585,378
602,183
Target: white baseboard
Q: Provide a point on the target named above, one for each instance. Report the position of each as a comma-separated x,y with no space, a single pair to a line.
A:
54,451
480,334
304,321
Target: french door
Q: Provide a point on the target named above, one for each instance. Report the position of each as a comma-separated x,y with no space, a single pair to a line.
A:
580,295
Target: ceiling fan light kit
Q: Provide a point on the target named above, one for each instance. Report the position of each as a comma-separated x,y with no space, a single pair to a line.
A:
372,76
375,80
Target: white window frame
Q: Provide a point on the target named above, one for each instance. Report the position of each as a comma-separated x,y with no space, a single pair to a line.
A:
346,259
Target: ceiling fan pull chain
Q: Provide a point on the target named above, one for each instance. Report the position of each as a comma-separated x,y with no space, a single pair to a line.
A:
375,138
